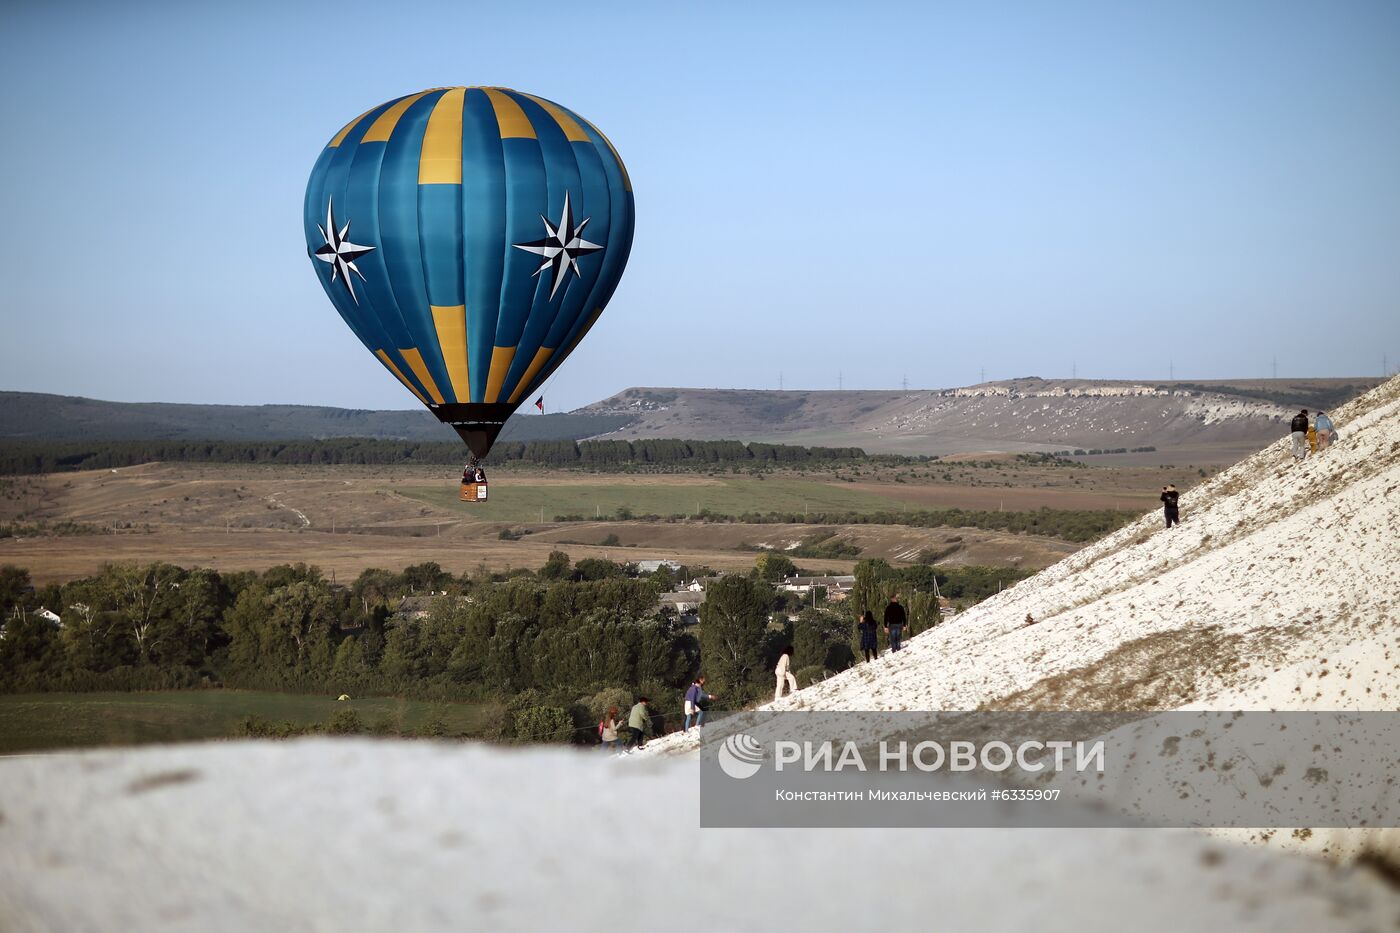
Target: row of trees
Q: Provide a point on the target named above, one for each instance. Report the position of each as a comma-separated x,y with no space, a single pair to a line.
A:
550,645
51,457
1078,525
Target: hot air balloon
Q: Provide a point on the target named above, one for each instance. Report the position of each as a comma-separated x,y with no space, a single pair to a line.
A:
470,237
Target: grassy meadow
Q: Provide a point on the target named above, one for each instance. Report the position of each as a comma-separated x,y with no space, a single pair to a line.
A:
517,499
49,721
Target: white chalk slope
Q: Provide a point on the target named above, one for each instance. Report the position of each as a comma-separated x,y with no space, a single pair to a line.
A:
351,836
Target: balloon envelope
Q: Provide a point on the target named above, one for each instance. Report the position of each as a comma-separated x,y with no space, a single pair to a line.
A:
469,237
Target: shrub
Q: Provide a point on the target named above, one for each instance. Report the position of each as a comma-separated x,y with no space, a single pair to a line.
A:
345,722
543,724
255,727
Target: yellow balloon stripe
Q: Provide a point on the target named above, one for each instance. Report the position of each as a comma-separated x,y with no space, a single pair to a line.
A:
500,365
572,131
509,117
398,373
451,324
440,162
542,356
340,137
414,359
382,128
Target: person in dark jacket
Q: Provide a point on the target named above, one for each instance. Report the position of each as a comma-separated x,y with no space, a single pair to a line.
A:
1170,498
869,637
894,621
1299,434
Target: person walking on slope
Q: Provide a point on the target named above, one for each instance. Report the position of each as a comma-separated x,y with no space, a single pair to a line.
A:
869,639
639,723
1299,434
894,621
607,730
695,701
1326,432
784,673
1170,498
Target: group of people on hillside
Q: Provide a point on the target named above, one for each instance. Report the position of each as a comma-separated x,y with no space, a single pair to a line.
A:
894,621
638,724
1311,438
615,736
1306,438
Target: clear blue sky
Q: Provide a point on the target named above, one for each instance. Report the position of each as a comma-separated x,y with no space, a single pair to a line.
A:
878,189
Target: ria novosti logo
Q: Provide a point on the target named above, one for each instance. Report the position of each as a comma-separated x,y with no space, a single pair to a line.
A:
741,756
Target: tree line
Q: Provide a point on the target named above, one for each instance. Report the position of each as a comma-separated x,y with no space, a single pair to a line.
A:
554,646
59,456
1077,525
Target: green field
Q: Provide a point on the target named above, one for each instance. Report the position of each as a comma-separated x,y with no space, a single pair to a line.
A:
49,721
519,500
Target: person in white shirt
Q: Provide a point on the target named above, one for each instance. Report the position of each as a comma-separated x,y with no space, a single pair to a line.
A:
784,672
607,731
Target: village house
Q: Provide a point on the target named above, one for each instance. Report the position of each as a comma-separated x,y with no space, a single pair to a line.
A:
651,566
684,603
417,607
837,587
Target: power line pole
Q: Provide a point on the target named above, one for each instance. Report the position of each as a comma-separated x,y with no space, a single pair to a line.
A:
1171,370
1074,370
1275,367
905,383
984,374
840,380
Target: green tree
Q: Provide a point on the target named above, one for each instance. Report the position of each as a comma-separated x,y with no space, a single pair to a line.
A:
144,598
14,588
427,577
733,620
773,566
300,616
922,610
556,567
873,587
30,652
822,638
374,588
595,568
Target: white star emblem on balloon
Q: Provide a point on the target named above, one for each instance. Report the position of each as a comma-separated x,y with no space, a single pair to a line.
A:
561,246
340,252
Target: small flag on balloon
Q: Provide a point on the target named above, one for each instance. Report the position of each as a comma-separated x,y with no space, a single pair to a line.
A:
539,403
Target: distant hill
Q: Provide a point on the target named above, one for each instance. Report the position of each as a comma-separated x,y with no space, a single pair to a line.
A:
1019,415
1016,415
32,416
